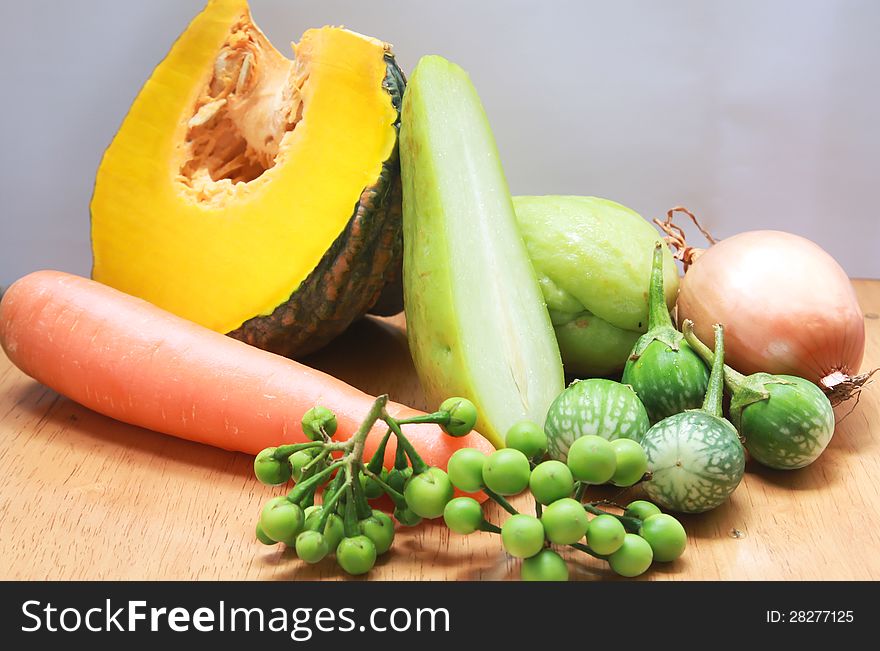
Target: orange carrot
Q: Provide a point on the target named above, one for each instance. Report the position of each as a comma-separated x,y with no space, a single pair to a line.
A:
130,360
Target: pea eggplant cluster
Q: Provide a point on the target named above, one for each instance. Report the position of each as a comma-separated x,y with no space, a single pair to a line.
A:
628,542
345,523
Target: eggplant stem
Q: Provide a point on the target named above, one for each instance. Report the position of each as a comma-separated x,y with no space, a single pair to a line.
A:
715,393
658,312
733,378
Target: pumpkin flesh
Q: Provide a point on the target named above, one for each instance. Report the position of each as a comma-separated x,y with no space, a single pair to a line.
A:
237,168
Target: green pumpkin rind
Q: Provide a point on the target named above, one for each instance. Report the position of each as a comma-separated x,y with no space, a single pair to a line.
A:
696,461
598,407
667,381
790,428
353,274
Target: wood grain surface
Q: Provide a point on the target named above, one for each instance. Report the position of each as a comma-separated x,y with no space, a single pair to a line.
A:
85,497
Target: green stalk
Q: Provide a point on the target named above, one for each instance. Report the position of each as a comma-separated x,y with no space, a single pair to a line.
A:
587,550
658,312
300,490
418,465
378,459
396,497
283,452
349,467
632,525
485,525
314,463
331,496
503,503
328,505
362,506
715,392
336,484
744,390
660,326
400,460
309,498
360,437
357,506
732,378
349,520
437,418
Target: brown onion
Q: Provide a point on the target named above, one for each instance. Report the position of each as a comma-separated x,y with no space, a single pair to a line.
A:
787,307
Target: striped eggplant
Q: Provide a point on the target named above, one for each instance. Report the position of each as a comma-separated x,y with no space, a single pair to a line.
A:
786,421
663,370
596,406
695,457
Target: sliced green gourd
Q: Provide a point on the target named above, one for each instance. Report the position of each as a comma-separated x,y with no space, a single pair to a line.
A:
476,319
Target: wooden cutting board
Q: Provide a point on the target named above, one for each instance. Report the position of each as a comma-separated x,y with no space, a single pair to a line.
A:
85,497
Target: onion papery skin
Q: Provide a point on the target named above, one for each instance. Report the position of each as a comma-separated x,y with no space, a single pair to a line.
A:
787,306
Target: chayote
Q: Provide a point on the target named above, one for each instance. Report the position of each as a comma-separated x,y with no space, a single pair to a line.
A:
592,257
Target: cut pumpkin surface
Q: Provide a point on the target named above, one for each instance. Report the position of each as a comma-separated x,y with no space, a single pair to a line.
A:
254,194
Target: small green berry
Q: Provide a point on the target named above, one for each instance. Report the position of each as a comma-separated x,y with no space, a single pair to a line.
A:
527,437
462,416
317,420
269,470
262,537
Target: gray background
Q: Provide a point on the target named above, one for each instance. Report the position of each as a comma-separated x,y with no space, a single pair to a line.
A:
753,114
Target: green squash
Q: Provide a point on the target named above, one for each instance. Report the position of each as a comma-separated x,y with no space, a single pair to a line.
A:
592,257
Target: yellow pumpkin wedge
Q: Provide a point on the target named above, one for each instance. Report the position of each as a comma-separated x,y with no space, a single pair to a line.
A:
254,194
